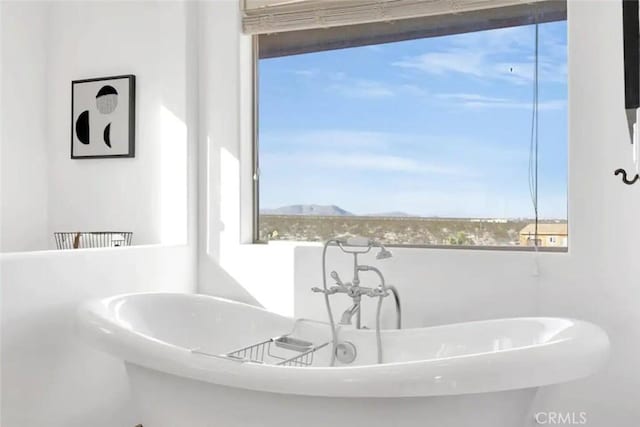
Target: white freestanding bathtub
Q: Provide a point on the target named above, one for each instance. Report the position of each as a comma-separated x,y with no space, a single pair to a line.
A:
461,375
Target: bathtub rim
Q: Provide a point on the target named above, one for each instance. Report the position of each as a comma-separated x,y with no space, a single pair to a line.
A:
96,326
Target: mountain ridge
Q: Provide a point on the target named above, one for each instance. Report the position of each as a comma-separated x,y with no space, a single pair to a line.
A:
324,210
313,209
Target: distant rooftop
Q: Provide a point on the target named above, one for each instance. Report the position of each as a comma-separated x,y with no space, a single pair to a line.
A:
546,229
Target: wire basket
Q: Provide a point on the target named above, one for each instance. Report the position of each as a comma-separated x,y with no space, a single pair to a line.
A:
92,239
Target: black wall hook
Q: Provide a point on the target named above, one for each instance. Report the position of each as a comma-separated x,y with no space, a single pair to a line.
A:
624,177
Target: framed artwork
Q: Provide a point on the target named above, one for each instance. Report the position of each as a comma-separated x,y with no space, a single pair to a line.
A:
103,112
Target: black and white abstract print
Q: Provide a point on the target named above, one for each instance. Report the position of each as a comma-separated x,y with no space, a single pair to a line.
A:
103,112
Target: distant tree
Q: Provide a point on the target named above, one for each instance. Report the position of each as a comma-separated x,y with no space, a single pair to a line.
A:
273,235
459,239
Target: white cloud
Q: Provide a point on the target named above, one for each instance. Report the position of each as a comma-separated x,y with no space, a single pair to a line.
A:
473,100
363,89
352,151
462,201
485,55
382,163
470,97
343,85
370,89
440,148
359,162
330,138
457,60
482,66
337,75
413,90
547,105
304,73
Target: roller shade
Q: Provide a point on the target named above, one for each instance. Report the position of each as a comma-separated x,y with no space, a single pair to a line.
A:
272,16
316,40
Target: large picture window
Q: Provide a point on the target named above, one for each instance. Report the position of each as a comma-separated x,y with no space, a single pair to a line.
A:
456,139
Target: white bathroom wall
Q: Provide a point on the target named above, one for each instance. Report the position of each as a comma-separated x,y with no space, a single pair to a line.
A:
23,139
49,377
598,280
1,137
146,194
603,281
47,45
229,266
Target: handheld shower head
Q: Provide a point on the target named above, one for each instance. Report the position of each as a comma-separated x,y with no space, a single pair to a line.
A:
384,253
358,241
362,242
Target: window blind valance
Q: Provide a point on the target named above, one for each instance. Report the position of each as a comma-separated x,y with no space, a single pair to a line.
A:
283,43
274,16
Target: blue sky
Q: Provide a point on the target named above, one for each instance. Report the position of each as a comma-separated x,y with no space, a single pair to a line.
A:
431,127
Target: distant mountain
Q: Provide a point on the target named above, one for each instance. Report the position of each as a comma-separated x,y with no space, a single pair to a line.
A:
318,210
391,214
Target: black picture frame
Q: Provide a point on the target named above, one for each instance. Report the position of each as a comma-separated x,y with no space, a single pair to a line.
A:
131,119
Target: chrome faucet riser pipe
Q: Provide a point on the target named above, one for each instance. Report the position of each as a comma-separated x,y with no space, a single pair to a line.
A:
356,276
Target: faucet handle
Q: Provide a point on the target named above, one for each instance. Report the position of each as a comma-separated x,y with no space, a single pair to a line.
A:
332,290
377,292
334,276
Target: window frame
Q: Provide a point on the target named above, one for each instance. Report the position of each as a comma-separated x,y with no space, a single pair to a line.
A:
255,143
255,170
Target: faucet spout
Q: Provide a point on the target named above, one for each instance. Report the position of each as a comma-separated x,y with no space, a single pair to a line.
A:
349,313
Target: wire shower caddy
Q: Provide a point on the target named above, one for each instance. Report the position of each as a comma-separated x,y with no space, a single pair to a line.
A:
92,239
